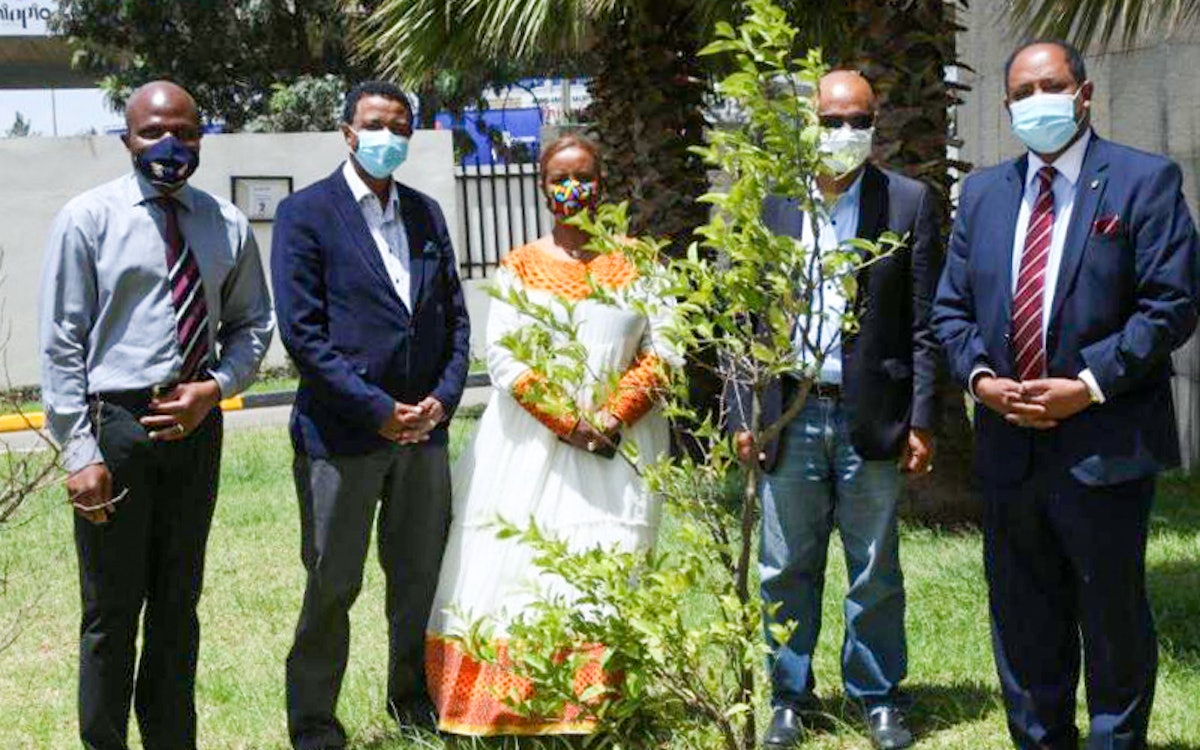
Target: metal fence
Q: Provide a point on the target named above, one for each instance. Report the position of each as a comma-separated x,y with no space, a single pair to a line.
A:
500,207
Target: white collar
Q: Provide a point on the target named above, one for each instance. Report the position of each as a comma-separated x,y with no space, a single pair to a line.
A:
361,190
1068,164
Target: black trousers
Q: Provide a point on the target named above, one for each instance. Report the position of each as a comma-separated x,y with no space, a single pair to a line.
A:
338,496
146,563
1066,577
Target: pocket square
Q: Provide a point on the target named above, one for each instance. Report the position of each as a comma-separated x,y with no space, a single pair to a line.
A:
1106,226
430,248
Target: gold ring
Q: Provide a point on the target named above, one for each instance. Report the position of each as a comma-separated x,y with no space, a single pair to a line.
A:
591,446
179,429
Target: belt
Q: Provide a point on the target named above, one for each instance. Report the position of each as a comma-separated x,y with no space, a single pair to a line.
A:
136,398
820,390
826,390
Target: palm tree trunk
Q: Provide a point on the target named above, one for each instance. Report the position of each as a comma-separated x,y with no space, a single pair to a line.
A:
904,49
647,112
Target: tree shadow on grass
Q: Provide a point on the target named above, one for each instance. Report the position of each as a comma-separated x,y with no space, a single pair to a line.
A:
1174,587
1174,583
408,739
933,709
1175,507
939,707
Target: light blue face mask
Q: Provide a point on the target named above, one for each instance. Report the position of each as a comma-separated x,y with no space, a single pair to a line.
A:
1045,122
380,152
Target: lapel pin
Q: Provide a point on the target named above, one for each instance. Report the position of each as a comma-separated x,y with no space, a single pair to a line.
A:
1095,184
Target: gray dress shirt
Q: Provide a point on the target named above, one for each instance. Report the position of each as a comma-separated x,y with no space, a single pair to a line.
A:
107,320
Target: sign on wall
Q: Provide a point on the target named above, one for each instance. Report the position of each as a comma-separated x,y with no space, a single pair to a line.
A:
26,17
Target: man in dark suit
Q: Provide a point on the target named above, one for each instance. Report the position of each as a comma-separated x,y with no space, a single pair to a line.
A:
867,419
371,309
1070,279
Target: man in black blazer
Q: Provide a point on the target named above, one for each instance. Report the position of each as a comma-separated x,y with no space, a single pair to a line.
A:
867,419
371,310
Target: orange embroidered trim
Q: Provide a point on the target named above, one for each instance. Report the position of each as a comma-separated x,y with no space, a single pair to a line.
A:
637,390
537,269
469,695
559,425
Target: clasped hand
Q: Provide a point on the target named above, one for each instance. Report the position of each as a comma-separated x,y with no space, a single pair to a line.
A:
412,423
1037,404
589,435
178,413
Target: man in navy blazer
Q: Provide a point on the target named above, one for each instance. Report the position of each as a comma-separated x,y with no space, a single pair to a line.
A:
1071,276
371,310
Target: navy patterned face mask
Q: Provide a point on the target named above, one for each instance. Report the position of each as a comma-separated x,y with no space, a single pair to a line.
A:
168,164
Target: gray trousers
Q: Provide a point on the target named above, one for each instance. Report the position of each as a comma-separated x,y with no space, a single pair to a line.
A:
337,497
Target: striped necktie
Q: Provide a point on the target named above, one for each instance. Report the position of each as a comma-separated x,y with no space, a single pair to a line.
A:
187,295
1027,301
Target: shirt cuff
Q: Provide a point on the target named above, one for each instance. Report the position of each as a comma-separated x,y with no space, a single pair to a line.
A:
979,370
224,382
80,451
1093,386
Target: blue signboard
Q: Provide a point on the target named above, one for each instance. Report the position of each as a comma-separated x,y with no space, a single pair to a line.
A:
500,135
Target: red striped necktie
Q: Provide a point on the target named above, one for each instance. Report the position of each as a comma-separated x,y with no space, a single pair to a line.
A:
1031,282
187,295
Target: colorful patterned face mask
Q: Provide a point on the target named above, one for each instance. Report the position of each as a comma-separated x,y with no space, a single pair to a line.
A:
569,196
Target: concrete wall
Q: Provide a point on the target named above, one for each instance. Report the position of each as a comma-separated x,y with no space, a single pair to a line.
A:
39,175
1147,96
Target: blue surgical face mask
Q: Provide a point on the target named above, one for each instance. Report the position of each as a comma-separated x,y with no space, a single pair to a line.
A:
380,152
1045,123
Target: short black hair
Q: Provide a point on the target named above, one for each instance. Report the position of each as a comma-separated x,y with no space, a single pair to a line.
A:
373,88
1074,58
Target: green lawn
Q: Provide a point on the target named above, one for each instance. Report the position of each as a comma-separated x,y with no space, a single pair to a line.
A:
255,582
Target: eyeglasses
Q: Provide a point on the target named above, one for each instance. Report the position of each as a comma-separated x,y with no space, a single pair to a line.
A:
857,122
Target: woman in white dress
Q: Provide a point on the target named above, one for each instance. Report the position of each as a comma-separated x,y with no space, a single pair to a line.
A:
526,465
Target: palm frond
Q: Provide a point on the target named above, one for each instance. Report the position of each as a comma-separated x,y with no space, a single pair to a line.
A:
410,40
1085,22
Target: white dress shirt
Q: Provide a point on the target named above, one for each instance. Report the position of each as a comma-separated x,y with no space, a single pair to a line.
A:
839,226
387,229
1067,167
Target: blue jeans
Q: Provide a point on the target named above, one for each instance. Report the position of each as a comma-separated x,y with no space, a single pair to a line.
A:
819,482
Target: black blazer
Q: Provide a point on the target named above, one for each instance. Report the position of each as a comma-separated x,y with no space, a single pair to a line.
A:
357,347
889,365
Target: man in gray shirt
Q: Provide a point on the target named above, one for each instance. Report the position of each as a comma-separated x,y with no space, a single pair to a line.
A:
154,307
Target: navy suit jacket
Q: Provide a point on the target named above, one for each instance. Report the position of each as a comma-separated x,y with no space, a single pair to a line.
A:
357,347
1125,298
889,365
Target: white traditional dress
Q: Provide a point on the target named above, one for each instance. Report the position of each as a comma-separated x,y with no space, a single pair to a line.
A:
516,468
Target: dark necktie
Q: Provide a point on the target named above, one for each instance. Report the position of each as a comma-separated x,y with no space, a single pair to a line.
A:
1027,301
187,294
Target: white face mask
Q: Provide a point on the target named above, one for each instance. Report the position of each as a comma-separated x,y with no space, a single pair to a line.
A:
844,149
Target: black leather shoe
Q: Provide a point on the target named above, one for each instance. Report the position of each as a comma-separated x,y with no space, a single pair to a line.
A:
785,730
886,724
